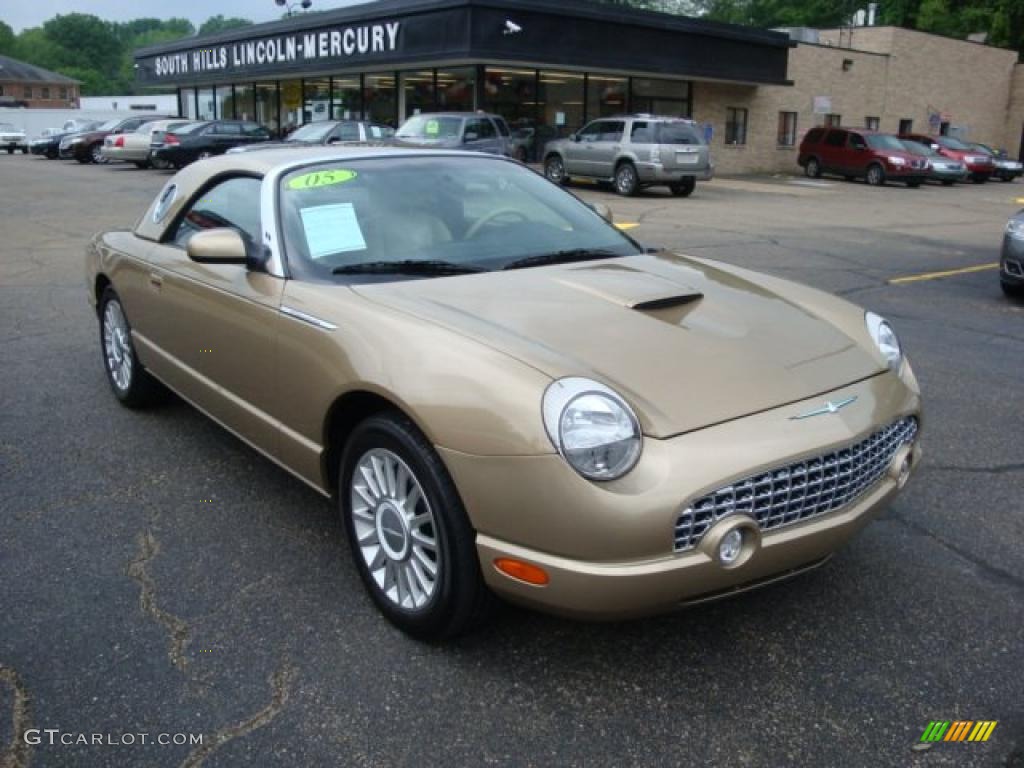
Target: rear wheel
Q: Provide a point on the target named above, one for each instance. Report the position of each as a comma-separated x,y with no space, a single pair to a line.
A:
947,183
876,175
142,164
813,168
626,181
132,385
411,539
521,154
554,170
684,188
96,155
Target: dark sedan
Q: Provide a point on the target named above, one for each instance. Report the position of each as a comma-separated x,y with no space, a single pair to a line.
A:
206,140
87,146
48,145
329,132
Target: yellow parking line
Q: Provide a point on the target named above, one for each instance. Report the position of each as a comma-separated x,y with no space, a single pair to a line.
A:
946,273
1020,200
627,224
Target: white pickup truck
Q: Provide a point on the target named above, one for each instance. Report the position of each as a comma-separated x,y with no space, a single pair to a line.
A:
12,138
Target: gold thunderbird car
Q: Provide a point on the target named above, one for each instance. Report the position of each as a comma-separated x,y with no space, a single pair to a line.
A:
505,394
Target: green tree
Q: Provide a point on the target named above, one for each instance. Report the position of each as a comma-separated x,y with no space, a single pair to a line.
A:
7,40
219,23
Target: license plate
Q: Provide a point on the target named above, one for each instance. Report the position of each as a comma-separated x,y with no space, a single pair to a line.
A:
687,158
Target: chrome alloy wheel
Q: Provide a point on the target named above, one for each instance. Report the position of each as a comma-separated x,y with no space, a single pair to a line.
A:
117,346
395,529
96,153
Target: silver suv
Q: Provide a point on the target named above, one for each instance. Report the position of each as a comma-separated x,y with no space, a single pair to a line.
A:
631,152
474,131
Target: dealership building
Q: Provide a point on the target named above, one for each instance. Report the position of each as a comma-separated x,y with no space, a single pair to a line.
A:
548,68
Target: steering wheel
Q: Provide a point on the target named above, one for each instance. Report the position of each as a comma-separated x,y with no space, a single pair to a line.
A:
479,224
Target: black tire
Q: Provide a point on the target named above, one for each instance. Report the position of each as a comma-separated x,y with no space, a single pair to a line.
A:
554,170
141,389
24,150
521,154
627,182
813,168
460,600
875,175
979,179
913,184
684,188
849,178
158,163
96,155
1012,290
947,183
142,164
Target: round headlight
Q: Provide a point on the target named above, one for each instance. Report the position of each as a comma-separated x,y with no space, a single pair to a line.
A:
885,339
592,428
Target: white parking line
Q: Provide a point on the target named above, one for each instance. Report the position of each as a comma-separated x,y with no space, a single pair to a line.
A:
818,184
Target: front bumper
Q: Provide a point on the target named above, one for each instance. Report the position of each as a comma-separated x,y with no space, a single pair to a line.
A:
944,174
1011,261
656,173
13,144
608,548
1009,170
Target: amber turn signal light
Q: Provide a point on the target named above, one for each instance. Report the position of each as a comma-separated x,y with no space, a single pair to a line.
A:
527,572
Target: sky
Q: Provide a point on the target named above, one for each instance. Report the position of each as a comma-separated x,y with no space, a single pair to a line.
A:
20,14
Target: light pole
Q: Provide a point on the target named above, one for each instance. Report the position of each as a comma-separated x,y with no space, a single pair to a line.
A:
304,4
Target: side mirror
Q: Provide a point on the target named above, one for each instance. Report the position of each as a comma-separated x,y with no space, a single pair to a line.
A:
222,245
471,136
603,211
574,137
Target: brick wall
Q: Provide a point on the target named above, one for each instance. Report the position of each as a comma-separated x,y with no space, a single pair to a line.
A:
16,90
1014,137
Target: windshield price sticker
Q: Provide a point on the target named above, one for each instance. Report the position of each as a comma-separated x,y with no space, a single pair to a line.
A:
322,179
432,128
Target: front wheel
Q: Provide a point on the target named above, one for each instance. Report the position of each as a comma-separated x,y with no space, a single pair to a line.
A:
96,154
1012,290
410,536
684,188
554,170
813,168
876,176
132,384
626,181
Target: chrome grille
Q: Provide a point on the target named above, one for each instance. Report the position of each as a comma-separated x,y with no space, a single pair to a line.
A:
798,491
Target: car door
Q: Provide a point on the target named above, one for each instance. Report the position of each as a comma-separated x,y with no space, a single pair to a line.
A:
832,150
479,135
606,148
224,136
856,155
579,153
216,324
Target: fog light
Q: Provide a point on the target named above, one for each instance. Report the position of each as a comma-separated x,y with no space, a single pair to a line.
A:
731,547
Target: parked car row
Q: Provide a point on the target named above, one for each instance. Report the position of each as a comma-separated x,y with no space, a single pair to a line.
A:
911,158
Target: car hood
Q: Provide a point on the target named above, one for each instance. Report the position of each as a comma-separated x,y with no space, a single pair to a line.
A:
687,344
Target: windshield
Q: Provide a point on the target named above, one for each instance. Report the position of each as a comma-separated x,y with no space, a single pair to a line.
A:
189,127
919,149
470,213
677,133
431,127
950,143
877,141
312,132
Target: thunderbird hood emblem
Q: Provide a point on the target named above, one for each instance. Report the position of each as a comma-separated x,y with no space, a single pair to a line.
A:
828,407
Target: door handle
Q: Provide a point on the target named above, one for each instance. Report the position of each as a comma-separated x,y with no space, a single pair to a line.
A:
156,280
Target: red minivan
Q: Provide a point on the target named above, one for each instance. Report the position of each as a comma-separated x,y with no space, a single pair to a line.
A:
979,164
855,153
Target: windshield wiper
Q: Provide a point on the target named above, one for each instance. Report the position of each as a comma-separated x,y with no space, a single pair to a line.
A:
407,267
562,257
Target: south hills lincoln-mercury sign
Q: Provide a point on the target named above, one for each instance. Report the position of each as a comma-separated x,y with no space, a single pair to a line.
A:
331,44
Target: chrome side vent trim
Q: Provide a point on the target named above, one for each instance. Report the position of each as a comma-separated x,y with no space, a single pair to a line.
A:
316,322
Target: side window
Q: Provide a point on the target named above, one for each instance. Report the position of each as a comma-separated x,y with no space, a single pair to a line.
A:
836,138
612,130
592,132
487,129
346,132
857,141
232,203
813,136
228,129
253,129
641,133
502,126
473,125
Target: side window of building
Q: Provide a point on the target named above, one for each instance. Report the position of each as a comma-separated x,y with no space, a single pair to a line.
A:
234,203
28,92
735,125
612,130
836,138
872,123
906,126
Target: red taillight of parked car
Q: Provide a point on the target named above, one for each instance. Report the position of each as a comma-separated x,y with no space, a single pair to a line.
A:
170,138
119,141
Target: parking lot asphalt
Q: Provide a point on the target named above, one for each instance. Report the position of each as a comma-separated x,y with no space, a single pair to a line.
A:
158,576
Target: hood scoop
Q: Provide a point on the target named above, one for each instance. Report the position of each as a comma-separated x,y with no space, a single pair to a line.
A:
630,288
